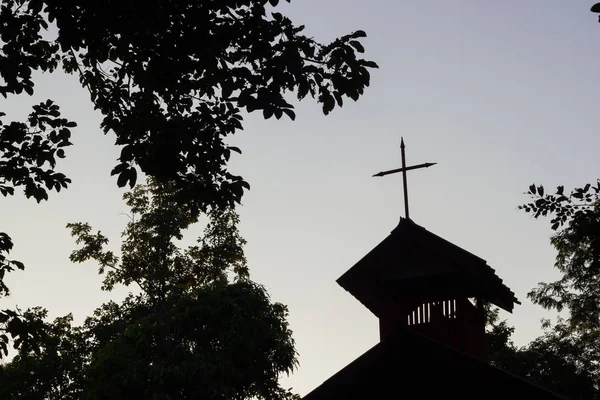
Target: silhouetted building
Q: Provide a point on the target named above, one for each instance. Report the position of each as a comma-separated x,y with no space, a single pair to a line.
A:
428,295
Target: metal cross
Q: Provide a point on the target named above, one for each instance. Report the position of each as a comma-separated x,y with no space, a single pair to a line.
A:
403,170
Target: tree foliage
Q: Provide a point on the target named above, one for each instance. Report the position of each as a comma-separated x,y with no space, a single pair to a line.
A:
171,79
578,257
197,326
552,360
28,156
568,354
55,370
566,358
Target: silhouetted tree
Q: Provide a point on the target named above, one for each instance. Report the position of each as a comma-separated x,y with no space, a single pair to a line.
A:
197,327
171,79
28,153
566,358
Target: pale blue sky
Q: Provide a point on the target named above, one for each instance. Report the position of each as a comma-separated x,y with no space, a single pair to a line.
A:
500,93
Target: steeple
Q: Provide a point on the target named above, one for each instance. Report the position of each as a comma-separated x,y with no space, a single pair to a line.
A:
429,296
421,282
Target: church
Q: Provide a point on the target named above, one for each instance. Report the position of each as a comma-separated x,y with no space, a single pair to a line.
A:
428,295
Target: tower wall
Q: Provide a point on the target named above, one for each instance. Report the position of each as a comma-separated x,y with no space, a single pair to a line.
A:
454,322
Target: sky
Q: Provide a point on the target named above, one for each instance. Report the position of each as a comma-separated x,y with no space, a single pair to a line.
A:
500,94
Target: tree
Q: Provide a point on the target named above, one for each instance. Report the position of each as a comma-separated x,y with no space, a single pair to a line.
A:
170,102
197,327
578,258
566,358
550,360
28,153
55,370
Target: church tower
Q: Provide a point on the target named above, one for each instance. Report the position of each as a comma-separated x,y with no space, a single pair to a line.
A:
418,281
429,296
421,282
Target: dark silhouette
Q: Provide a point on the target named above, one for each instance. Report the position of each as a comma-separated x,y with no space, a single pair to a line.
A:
431,298
403,170
566,357
197,328
171,80
596,8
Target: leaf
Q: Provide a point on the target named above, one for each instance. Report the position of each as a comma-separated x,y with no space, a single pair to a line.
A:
132,177
302,90
123,178
338,98
541,190
126,154
7,190
328,104
359,34
251,106
357,45
18,264
369,64
227,89
532,189
290,113
119,169
268,113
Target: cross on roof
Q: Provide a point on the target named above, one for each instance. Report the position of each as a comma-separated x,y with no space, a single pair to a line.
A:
403,170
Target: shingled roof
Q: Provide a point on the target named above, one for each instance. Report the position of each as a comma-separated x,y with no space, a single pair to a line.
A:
413,262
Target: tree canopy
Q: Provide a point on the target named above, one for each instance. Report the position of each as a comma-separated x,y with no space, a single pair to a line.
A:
28,157
566,358
197,326
172,80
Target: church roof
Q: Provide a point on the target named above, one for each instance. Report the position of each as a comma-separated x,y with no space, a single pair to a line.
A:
415,263
407,363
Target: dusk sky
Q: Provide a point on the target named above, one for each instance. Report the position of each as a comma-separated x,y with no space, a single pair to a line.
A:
500,94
